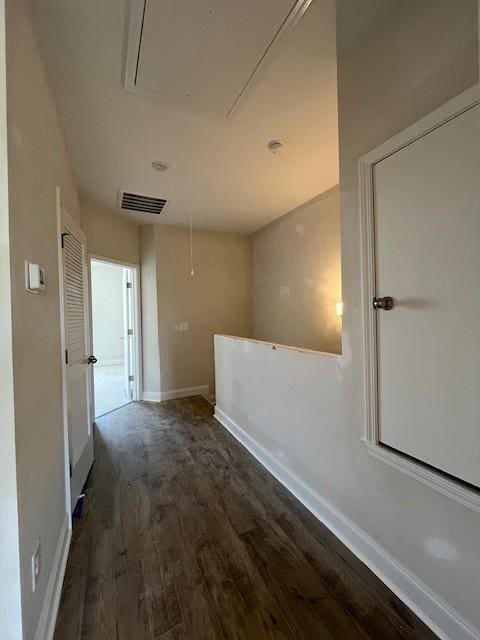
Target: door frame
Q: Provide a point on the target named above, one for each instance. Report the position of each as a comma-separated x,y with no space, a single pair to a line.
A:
415,469
62,217
137,329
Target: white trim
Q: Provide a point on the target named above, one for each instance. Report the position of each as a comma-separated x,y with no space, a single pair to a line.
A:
137,301
278,345
151,396
447,623
451,109
120,263
135,28
458,492
48,615
175,394
66,437
137,329
448,487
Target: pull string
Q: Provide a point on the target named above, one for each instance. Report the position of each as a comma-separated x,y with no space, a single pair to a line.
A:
192,270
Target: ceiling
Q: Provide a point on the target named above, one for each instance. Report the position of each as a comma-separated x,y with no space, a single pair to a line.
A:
220,168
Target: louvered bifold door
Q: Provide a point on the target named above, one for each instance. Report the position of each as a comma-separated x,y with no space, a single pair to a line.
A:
75,321
76,357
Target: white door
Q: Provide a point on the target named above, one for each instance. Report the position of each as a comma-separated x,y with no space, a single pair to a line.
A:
77,343
427,249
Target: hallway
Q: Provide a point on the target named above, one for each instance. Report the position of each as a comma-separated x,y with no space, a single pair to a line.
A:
184,535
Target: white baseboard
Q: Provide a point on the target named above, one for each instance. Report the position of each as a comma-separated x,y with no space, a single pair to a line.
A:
151,396
210,399
51,600
423,601
175,394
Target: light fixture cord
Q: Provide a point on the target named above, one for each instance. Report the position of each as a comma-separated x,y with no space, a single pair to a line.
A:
192,271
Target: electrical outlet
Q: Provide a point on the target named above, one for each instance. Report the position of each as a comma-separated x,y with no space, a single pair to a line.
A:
184,326
36,565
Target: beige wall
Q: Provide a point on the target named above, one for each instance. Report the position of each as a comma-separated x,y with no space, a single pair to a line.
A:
296,277
110,234
150,346
215,300
37,164
10,589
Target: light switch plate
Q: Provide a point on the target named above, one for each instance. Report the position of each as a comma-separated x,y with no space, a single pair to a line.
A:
34,277
36,565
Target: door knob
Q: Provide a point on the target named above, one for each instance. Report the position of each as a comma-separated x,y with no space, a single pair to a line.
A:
92,360
385,303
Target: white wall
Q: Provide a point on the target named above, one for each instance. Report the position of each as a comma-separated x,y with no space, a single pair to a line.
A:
413,59
107,312
37,164
267,390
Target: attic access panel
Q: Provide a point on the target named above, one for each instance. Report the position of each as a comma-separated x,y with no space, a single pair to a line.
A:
203,54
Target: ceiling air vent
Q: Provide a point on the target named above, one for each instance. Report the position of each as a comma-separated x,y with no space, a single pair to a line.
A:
143,204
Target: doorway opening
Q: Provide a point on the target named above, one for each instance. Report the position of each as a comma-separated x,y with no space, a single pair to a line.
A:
115,335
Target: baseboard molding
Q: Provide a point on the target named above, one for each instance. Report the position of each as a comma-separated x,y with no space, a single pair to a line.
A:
151,396
210,399
51,601
175,394
422,600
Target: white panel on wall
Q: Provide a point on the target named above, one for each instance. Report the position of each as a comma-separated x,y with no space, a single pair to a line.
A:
427,242
201,54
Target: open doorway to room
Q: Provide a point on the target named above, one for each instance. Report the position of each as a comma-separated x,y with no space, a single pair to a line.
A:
115,335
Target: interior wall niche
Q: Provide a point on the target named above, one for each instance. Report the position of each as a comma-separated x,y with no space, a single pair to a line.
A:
296,277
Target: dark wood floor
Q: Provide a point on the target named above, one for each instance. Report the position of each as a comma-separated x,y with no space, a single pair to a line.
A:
184,535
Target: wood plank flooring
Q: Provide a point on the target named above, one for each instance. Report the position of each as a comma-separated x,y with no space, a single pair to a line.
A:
185,536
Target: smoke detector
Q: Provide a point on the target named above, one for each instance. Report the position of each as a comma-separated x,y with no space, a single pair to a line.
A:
159,165
275,146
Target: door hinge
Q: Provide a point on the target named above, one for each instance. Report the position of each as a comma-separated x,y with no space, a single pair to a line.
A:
129,332
131,378
129,285
66,356
71,470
